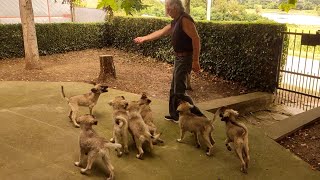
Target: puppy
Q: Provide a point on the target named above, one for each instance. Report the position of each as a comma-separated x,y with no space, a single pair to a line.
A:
92,145
146,114
138,129
120,127
198,125
238,134
89,100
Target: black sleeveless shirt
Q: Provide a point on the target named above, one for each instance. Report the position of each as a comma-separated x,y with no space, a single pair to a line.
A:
181,42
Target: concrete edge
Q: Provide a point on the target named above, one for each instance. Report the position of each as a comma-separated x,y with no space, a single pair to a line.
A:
243,103
281,129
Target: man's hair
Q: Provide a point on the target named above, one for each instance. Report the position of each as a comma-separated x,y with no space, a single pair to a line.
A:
177,4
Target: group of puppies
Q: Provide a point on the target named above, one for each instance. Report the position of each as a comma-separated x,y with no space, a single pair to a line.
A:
135,118
203,127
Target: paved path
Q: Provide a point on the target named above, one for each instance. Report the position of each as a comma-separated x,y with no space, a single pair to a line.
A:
37,141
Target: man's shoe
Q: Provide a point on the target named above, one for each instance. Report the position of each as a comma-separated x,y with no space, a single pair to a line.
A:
175,121
169,118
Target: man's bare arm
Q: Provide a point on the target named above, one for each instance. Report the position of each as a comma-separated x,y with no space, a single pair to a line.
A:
155,35
190,29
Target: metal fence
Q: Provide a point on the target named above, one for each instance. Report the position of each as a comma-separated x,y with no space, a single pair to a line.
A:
299,73
48,11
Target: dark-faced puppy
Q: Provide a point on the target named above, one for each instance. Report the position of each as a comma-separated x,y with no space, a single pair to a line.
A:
89,100
120,127
146,114
93,145
198,125
238,134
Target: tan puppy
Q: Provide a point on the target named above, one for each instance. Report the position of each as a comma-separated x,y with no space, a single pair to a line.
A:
89,100
146,114
92,145
120,127
238,134
138,129
198,125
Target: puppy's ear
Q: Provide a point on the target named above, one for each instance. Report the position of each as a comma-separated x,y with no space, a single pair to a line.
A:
179,101
94,90
126,105
233,112
144,95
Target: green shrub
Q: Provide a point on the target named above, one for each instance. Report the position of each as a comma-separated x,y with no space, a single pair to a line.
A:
318,10
11,41
243,52
52,38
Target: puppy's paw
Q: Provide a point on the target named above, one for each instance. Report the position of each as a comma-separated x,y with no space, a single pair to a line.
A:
179,140
119,154
77,164
244,170
83,171
139,156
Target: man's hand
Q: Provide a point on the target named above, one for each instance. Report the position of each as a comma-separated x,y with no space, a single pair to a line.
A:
139,40
195,66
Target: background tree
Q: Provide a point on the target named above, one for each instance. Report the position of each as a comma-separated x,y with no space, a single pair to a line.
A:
128,6
186,4
29,35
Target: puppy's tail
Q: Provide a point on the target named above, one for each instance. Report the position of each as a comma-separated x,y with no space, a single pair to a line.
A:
113,145
121,121
233,120
157,136
216,116
63,95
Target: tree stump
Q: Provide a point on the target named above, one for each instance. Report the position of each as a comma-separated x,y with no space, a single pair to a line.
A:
107,68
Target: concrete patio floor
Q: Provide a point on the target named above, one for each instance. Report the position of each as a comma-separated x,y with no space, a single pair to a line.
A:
37,141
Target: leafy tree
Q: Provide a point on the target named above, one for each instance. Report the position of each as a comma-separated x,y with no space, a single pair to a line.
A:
128,6
286,6
318,10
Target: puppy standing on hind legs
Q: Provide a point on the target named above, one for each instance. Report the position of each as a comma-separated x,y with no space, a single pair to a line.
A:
146,114
198,125
238,134
89,100
138,129
120,127
92,145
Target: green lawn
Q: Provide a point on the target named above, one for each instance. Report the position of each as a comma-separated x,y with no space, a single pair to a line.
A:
293,11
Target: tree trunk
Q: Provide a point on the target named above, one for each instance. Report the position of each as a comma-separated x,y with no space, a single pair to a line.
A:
29,35
106,68
186,4
72,11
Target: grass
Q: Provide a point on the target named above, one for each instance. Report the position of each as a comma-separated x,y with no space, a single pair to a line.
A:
293,11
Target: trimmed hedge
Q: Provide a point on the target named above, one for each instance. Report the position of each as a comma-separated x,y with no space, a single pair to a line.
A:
52,38
243,52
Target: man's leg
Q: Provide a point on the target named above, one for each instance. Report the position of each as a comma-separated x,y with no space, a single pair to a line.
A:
182,69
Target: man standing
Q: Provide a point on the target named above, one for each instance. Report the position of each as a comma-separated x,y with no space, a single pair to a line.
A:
186,45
